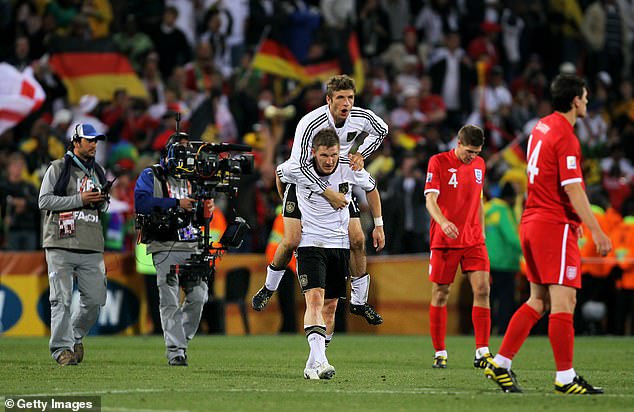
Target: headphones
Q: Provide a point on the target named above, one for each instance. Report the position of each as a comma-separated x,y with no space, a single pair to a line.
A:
76,137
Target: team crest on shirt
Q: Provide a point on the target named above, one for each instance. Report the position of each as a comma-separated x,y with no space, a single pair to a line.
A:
351,136
303,280
343,188
478,175
290,207
571,162
430,175
571,272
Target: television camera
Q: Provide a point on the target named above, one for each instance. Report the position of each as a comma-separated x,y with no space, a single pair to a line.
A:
209,168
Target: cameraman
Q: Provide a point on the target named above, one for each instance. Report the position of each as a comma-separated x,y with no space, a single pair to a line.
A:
159,192
72,199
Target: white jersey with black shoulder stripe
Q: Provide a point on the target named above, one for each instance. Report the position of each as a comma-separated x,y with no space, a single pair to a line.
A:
362,132
323,226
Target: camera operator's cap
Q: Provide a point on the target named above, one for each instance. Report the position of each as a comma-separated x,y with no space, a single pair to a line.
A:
88,131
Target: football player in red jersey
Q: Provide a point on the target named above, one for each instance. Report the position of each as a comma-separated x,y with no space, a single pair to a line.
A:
551,224
453,192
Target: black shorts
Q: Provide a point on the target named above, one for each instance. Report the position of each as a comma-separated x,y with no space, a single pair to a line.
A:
291,208
289,202
323,268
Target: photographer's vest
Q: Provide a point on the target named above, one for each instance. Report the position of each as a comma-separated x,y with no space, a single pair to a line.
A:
88,233
176,189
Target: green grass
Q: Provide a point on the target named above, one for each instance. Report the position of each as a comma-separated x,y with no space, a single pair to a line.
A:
259,373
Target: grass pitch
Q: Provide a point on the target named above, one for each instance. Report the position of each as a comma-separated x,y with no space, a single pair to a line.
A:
261,373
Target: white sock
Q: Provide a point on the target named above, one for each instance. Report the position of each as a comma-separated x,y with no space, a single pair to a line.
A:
316,336
565,377
273,278
359,287
480,352
502,362
441,353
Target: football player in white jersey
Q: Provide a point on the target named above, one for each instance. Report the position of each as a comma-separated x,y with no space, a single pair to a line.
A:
360,133
323,255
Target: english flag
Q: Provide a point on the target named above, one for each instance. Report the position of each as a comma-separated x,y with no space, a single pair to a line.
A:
20,95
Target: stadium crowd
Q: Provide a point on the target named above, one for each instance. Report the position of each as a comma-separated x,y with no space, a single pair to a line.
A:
429,67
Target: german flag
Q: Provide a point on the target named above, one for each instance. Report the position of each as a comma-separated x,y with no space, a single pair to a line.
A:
93,67
275,57
514,155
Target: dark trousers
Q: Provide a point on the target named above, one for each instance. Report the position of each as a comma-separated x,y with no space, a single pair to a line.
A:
502,299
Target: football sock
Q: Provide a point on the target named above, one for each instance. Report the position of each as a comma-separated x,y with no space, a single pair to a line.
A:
316,336
273,277
561,334
480,352
481,318
329,338
502,361
565,377
438,326
518,330
359,287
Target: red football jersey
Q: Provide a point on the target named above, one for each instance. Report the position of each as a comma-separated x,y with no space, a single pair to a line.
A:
459,188
554,160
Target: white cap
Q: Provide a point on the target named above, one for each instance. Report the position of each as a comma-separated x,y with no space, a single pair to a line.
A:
87,103
87,131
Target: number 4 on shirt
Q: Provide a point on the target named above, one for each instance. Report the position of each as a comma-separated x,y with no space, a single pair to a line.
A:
453,180
531,168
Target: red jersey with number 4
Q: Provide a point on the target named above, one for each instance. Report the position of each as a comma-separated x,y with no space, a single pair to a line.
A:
459,188
554,161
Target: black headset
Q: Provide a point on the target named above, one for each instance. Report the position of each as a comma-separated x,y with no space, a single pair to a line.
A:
76,137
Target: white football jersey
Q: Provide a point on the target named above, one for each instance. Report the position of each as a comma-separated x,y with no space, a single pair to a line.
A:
323,226
362,132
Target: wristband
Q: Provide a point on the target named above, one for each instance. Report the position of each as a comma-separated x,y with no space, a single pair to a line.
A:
378,221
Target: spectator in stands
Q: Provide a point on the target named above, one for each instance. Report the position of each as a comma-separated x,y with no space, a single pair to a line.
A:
407,220
21,58
171,44
220,52
41,148
133,43
18,203
432,105
99,14
373,28
453,77
408,111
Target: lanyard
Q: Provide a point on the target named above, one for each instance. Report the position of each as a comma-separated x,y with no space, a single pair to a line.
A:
82,167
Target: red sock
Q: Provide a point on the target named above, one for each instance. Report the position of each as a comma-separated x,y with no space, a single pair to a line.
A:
561,333
518,330
438,326
481,318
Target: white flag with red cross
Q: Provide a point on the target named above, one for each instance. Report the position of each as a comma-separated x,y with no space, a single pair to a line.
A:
20,94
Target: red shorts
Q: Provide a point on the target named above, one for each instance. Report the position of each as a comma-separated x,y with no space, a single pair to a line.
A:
551,253
443,263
